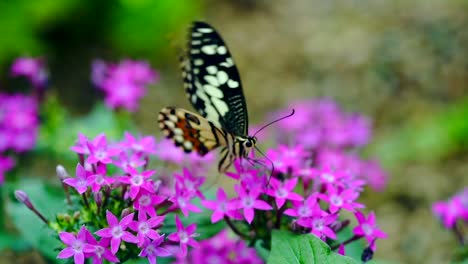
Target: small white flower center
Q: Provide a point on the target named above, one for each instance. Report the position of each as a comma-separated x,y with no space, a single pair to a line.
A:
183,236
117,231
368,230
143,227
248,202
318,224
99,251
77,246
137,180
99,179
336,200
328,177
281,193
100,154
144,200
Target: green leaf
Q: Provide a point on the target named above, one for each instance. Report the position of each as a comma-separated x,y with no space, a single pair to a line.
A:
49,201
288,248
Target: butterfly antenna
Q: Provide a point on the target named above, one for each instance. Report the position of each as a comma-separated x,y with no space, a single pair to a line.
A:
274,121
272,164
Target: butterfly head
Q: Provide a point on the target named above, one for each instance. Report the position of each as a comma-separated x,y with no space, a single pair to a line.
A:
248,143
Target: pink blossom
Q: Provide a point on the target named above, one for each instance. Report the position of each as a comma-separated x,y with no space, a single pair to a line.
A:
320,226
184,235
116,231
449,211
99,179
101,250
146,145
31,68
368,227
100,151
138,181
145,203
221,206
144,228
152,249
182,200
282,191
77,246
248,202
341,199
80,182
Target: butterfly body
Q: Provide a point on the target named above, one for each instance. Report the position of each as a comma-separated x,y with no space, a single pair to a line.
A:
213,87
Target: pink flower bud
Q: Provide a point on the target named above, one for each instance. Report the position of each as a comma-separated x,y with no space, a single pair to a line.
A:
23,198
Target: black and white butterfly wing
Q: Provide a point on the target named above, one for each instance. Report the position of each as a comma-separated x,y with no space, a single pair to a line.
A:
212,80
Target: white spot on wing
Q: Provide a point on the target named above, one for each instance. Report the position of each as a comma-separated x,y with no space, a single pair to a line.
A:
188,145
232,84
220,105
221,50
205,30
173,118
213,91
178,138
198,62
222,77
178,131
169,124
196,34
209,49
212,80
211,69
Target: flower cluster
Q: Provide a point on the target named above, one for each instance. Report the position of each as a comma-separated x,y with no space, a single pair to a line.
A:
453,210
19,113
123,83
331,136
221,248
126,207
33,69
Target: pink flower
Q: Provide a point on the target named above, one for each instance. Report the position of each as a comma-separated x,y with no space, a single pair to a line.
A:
100,151
80,183
138,181
184,235
31,68
144,228
145,203
81,146
221,206
449,211
99,179
77,246
282,191
167,151
248,202
123,83
320,226
304,210
341,199
153,249
101,250
189,183
368,227
116,231
182,199
287,159
146,145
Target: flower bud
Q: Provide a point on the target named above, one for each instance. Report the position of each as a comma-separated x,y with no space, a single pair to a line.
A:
125,212
23,197
61,172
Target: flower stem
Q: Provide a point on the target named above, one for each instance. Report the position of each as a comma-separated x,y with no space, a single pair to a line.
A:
353,238
459,234
234,228
2,209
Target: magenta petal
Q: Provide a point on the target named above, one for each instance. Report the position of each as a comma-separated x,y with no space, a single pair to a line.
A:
191,228
79,258
110,257
66,253
87,248
379,234
358,231
329,233
112,220
105,232
126,220
216,216
128,237
115,243
67,238
262,205
152,234
155,221
248,214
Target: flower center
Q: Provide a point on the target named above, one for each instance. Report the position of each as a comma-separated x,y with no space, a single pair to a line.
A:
328,177
144,200
336,200
367,229
184,238
150,250
77,246
281,193
117,231
99,251
303,211
143,227
100,154
318,224
99,179
248,202
137,180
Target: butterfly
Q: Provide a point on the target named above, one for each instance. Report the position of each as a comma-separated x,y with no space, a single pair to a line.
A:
213,87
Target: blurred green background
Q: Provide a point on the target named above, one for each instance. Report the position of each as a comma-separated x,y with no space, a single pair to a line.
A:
402,63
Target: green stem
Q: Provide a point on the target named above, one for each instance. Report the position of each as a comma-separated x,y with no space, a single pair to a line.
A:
2,209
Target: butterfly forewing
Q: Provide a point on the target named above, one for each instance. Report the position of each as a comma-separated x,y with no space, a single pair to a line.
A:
212,80
190,131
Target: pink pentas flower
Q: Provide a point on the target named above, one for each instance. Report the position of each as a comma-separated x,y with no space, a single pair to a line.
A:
189,182
100,151
5,139
138,181
248,202
184,235
153,249
146,145
32,68
146,201
80,182
124,160
144,228
101,250
283,191
320,226
117,231
368,227
123,83
221,206
24,140
81,145
182,200
330,177
167,151
99,179
304,210
449,211
338,199
77,246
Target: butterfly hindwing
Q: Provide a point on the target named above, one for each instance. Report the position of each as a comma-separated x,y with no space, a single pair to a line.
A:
190,131
212,81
